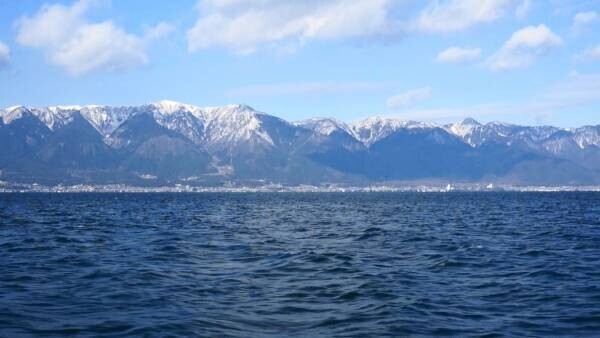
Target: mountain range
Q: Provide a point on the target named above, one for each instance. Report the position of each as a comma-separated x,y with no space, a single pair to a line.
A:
169,143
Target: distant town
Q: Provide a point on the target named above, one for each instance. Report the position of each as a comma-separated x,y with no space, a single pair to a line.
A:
6,187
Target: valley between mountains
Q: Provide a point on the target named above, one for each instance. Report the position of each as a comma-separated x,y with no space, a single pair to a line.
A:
169,143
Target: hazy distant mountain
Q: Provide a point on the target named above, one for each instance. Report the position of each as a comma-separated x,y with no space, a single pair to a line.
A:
170,142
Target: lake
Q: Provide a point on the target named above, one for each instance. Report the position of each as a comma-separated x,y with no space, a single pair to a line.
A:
300,264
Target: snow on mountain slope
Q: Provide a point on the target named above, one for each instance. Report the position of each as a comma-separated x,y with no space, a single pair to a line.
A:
104,119
222,127
185,119
13,113
234,124
53,117
168,107
107,119
325,126
218,126
477,134
373,129
587,136
465,130
559,143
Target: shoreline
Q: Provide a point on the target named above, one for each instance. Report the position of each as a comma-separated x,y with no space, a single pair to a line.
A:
20,188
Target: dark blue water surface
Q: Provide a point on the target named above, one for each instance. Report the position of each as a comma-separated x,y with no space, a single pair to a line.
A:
285,265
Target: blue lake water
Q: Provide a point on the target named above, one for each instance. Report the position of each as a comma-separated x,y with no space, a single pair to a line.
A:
296,265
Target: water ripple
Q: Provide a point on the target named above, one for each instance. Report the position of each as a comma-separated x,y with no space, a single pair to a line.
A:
272,265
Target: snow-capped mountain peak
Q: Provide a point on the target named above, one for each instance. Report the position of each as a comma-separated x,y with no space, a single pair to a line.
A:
12,113
470,121
55,109
465,130
232,124
373,129
168,107
52,117
220,127
230,109
12,108
324,126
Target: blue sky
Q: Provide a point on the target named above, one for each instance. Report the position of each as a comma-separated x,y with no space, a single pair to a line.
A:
521,61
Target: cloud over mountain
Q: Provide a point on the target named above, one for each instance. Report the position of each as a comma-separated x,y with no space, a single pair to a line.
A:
524,47
242,26
72,41
408,98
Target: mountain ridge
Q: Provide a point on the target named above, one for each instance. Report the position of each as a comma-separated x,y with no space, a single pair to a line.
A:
237,142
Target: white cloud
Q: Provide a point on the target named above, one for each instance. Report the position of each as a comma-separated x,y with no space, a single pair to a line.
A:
4,55
52,25
523,9
99,46
577,90
590,54
524,47
159,31
458,55
583,19
71,41
244,25
308,88
443,16
408,98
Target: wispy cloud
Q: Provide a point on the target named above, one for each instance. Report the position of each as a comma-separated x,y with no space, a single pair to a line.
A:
4,55
451,113
524,47
308,88
408,98
458,55
575,91
523,9
590,54
159,31
455,15
583,19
